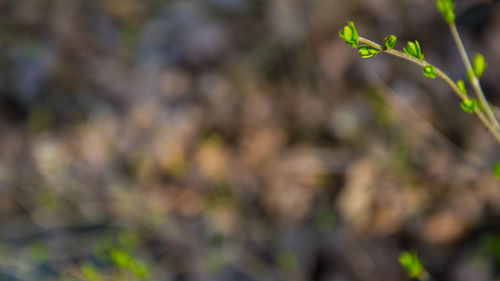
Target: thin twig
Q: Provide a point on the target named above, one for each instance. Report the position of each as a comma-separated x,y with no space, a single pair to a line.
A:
422,126
472,77
442,75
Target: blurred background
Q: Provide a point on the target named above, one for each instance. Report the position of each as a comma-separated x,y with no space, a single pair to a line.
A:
241,140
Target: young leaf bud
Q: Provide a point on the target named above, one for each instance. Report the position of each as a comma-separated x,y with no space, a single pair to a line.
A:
411,264
469,105
413,49
430,71
461,86
446,8
478,65
390,41
349,34
366,51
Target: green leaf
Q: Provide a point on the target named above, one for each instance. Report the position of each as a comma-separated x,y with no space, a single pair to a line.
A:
478,65
120,258
469,105
446,8
349,34
39,252
411,264
461,86
366,51
430,71
90,272
496,169
140,269
470,75
390,41
413,49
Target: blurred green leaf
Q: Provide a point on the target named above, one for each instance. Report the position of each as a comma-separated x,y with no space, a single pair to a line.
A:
496,169
120,258
103,244
39,252
446,7
140,269
411,264
478,65
470,75
90,272
490,246
461,86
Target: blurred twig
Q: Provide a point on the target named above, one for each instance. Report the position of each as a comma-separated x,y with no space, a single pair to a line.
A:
472,77
423,127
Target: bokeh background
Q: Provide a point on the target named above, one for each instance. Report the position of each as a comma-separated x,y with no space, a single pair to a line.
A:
241,140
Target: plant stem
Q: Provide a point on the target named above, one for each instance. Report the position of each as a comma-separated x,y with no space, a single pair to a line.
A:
489,125
472,76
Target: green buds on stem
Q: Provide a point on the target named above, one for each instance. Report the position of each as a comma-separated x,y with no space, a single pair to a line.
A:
349,34
366,51
430,71
411,264
413,49
469,105
446,8
389,42
413,53
461,86
478,65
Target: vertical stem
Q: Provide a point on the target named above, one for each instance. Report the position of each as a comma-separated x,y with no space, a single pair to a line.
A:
472,76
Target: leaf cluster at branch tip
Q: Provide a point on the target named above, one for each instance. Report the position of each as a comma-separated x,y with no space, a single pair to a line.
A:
349,34
446,8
